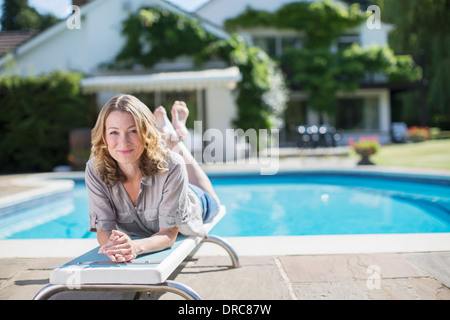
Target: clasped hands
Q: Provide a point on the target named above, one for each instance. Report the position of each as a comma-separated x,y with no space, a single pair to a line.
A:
119,248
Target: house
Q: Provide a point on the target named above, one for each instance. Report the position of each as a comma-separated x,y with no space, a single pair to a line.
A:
365,112
96,39
12,39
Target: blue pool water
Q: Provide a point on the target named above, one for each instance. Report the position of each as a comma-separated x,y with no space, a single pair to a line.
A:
292,204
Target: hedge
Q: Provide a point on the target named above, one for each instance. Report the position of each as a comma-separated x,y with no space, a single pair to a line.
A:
36,116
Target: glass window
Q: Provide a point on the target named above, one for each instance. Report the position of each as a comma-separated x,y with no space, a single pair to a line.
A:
371,114
346,41
189,97
292,42
276,46
147,98
294,116
167,100
267,44
357,114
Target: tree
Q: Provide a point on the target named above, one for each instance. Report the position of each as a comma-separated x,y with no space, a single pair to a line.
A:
18,15
315,69
422,26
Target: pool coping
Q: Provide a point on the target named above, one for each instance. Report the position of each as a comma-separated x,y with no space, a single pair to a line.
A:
254,246
38,186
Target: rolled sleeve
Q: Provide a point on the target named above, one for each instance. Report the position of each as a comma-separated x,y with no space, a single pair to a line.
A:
101,212
172,208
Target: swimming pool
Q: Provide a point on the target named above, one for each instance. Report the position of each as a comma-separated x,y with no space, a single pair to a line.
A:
288,204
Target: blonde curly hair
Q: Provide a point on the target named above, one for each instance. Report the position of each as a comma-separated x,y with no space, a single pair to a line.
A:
154,158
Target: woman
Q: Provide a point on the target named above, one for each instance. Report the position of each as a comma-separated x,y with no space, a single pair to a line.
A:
143,182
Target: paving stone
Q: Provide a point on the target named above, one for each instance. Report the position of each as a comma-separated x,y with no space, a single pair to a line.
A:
25,285
347,267
436,264
390,289
257,279
10,267
402,276
424,288
331,290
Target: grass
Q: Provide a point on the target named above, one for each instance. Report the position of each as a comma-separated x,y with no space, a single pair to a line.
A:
433,154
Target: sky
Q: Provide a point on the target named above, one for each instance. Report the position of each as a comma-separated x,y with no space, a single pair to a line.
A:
59,7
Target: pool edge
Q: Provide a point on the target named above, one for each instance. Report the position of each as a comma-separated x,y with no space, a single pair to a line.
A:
253,246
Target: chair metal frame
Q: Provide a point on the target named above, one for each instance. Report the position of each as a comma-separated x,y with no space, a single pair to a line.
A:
167,286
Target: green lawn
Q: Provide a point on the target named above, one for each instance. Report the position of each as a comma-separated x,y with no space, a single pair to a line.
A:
433,154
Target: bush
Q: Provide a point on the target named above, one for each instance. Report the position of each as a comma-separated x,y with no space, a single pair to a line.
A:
417,134
36,117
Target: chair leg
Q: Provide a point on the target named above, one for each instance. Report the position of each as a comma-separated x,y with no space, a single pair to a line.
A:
49,291
168,286
224,244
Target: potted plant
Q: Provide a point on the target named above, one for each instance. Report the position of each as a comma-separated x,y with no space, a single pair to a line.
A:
366,148
418,134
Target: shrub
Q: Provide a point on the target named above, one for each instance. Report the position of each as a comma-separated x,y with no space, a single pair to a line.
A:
36,116
417,134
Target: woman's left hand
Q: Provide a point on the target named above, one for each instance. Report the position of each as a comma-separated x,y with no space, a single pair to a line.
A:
120,247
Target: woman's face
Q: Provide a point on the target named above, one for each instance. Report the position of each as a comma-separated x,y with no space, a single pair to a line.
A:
122,138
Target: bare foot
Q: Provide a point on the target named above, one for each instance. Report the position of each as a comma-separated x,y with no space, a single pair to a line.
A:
164,126
180,113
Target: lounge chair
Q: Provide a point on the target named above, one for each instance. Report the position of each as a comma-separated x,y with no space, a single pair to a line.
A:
147,273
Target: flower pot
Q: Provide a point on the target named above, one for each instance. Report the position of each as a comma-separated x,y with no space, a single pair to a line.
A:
365,160
365,149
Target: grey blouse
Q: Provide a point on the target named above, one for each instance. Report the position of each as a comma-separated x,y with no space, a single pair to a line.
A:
164,201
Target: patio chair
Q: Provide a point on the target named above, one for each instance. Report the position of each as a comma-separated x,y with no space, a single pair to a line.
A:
147,273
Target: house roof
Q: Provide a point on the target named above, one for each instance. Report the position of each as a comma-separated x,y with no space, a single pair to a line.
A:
204,5
168,81
9,40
